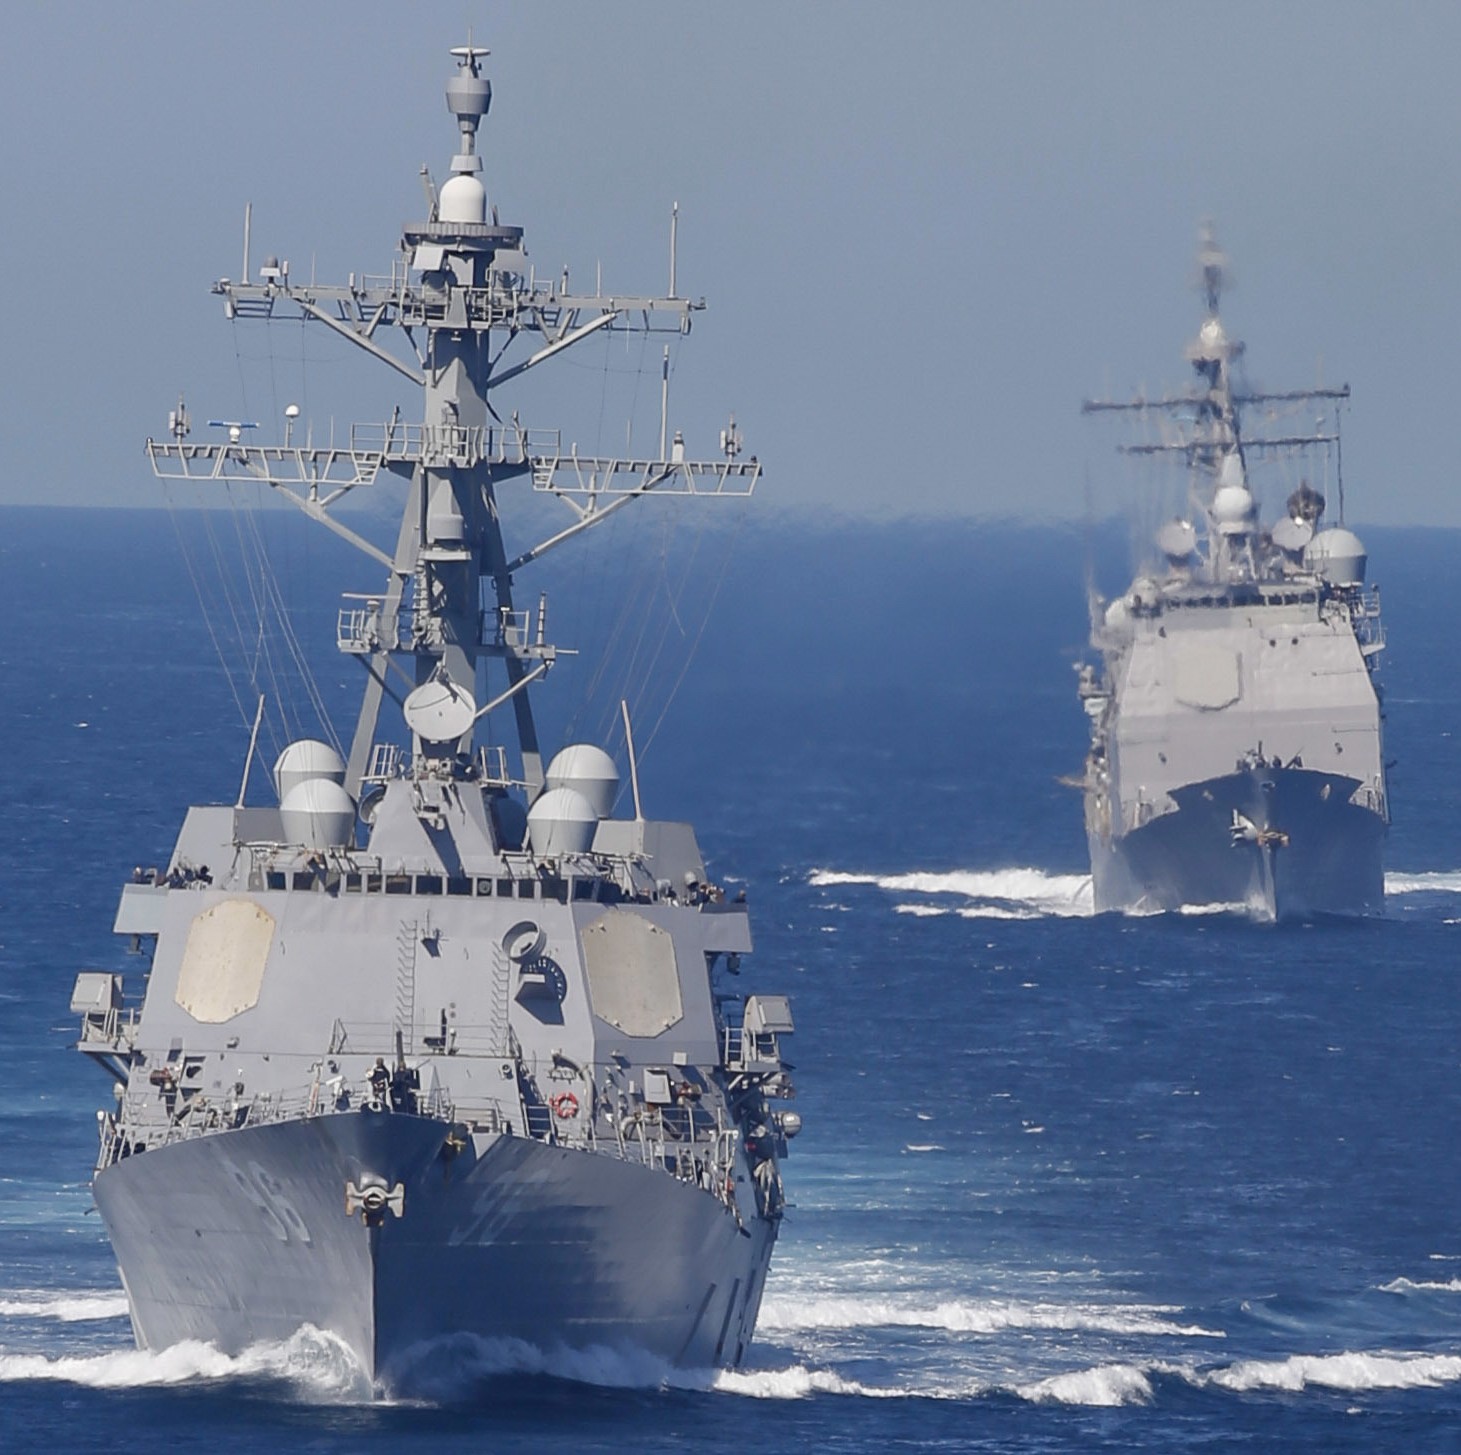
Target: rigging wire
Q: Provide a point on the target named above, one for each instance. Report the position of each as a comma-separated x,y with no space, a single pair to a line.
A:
647,671
278,699
637,666
271,599
704,622
189,565
280,696
634,605
223,574
274,603
637,607
268,577
244,607
632,600
609,551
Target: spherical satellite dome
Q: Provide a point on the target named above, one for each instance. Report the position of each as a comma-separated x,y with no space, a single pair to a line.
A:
1338,555
587,770
318,814
1291,535
1233,509
561,821
462,199
304,760
1177,540
1212,335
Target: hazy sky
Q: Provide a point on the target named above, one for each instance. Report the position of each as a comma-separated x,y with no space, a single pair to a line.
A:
926,230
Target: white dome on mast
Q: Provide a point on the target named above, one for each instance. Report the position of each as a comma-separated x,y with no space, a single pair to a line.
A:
462,199
1233,509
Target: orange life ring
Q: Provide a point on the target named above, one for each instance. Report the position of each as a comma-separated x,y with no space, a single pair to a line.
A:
565,1105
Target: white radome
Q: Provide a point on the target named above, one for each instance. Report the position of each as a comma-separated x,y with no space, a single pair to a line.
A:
561,821
318,814
1233,509
306,759
462,199
1338,555
588,770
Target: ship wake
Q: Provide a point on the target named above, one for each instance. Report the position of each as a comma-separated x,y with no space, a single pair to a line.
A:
1028,893
1016,893
979,1316
81,1306
949,1362
1124,1382
1429,881
314,1366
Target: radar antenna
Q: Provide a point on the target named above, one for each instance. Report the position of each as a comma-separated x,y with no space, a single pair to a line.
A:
469,57
179,426
468,98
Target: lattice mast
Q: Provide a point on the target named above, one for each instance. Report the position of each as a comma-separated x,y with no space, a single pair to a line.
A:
461,294
1205,426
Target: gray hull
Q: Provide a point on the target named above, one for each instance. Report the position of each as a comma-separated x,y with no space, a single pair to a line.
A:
440,1050
1324,855
243,1237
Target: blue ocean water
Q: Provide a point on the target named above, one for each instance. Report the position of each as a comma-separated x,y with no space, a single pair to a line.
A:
1066,1182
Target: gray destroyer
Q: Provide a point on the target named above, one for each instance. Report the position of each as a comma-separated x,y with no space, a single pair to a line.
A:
434,1046
1235,721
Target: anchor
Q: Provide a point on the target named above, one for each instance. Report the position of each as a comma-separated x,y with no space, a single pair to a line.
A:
372,1200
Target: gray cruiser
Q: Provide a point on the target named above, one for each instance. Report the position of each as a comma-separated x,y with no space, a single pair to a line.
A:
1235,723
434,1047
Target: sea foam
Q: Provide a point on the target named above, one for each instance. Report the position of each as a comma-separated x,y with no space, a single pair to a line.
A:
796,1382
1021,893
1349,1371
319,1366
66,1308
975,1317
1435,881
1102,1385
995,893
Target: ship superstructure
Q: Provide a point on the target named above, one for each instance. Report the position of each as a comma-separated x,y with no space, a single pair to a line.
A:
435,1046
1235,720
